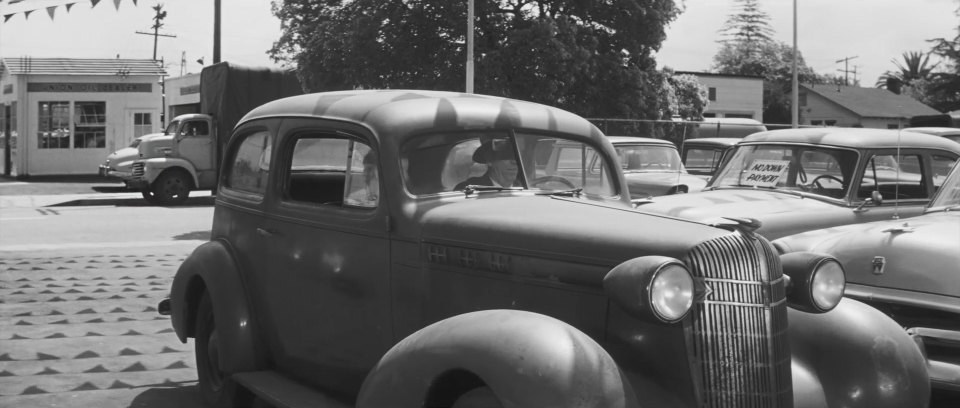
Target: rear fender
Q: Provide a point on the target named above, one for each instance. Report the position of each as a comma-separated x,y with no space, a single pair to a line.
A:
211,268
855,356
526,359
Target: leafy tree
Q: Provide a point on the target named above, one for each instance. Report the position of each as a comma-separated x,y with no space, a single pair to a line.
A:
942,90
915,66
772,61
593,58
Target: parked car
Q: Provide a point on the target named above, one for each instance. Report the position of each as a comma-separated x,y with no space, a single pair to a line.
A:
910,269
703,156
119,164
796,180
351,265
652,167
951,133
728,127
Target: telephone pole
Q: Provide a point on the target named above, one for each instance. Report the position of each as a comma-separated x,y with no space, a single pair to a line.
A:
846,69
157,23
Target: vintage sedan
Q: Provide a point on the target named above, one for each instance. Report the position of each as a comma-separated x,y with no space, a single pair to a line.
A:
910,269
119,164
435,249
652,167
703,156
796,180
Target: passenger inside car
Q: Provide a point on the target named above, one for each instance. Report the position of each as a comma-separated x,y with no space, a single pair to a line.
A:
501,164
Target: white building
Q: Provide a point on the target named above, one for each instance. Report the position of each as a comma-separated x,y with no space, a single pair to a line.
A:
731,96
65,115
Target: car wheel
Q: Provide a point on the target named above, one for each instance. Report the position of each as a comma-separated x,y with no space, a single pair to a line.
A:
150,197
482,397
216,387
171,188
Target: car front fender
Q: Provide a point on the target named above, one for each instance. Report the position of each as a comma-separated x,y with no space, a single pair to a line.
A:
527,359
211,268
153,167
855,356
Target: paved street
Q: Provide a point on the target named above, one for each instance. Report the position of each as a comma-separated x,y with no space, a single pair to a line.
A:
80,277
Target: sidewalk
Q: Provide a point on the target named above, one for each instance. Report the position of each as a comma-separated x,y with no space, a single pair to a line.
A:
79,190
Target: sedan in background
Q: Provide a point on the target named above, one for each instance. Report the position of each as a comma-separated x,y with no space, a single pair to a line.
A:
652,167
703,156
796,180
909,269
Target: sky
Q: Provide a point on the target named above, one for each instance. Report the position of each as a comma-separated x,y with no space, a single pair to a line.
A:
870,33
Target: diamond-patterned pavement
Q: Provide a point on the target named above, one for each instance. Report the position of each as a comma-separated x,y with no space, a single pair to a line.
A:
83,330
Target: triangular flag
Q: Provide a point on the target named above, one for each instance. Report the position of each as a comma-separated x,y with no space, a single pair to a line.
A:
116,3
51,11
134,2
7,17
69,5
93,3
26,14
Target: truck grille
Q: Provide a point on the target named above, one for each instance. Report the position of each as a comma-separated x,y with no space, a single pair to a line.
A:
137,169
740,328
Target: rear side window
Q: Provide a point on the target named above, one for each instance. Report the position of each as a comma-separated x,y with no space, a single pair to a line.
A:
250,164
895,177
333,171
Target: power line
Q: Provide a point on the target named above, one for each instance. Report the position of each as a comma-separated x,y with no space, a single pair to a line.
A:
846,69
157,23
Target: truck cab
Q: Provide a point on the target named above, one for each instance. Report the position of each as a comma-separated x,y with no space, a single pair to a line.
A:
181,159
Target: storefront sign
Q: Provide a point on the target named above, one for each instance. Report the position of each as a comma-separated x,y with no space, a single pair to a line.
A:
88,87
188,90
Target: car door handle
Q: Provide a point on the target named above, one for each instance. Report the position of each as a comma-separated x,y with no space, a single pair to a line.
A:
264,232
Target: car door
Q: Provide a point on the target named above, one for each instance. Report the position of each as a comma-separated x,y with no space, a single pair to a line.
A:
906,179
327,257
195,143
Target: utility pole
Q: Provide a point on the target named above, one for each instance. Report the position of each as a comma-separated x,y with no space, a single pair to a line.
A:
157,23
846,68
216,31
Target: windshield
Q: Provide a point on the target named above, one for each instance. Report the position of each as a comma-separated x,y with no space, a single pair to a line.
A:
171,128
820,170
503,160
948,196
648,158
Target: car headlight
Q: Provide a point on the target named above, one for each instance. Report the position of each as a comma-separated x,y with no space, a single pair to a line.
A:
671,292
816,281
653,288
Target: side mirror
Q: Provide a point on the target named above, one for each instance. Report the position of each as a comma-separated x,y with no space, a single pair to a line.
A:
875,198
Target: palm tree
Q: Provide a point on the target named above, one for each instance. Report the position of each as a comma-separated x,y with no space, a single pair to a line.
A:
915,66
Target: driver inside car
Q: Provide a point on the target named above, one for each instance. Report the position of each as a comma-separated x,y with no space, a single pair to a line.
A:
501,164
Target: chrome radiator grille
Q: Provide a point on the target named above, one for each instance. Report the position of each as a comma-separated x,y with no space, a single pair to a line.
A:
740,328
137,169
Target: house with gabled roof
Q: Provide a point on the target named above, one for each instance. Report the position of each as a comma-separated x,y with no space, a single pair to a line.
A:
852,106
65,115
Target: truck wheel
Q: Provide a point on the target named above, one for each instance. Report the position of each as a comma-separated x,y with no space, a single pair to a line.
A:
171,188
148,195
216,387
481,397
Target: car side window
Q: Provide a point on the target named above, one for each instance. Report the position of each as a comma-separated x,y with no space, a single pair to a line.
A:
895,177
941,166
333,171
195,128
250,164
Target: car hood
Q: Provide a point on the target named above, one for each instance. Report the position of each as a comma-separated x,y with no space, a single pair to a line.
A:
920,254
781,213
599,234
150,143
645,184
123,155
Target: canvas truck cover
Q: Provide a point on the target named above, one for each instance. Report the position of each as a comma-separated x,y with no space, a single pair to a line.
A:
228,91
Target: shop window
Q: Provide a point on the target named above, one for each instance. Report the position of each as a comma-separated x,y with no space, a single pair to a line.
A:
142,124
53,129
91,125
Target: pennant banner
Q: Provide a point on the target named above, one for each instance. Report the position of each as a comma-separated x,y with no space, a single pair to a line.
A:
26,7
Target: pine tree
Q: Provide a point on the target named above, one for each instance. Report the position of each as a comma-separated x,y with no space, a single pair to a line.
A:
748,25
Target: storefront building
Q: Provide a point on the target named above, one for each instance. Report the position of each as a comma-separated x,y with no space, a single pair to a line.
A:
65,115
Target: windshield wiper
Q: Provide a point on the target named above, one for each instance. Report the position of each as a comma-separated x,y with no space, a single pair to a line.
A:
573,192
472,188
